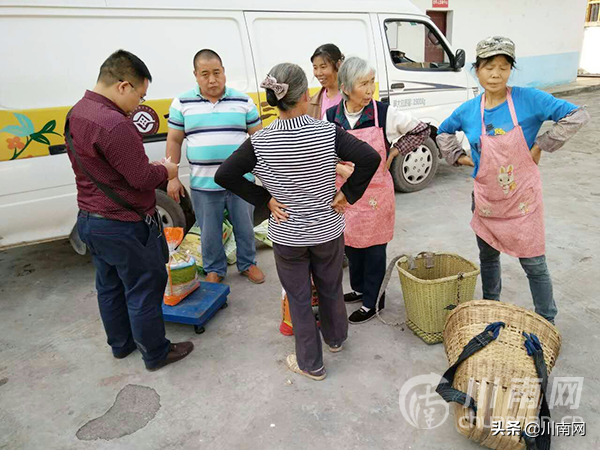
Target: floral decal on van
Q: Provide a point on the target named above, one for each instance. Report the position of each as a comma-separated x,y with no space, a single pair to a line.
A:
26,130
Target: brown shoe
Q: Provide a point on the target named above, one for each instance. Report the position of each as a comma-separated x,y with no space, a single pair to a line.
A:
254,274
177,352
214,277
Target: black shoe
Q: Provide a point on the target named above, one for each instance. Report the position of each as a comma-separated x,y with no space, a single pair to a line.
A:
361,316
352,297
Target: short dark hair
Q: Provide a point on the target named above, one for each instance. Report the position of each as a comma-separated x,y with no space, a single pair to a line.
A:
207,53
483,61
123,66
330,53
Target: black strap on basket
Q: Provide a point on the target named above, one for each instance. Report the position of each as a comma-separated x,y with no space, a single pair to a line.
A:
542,440
445,389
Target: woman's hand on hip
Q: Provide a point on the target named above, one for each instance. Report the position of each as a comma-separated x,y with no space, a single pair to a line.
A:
278,210
393,153
536,153
344,169
339,202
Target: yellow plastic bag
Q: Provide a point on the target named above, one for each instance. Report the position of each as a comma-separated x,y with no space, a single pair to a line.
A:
192,243
181,269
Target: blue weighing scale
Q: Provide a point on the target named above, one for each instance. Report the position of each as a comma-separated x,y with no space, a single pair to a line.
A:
198,307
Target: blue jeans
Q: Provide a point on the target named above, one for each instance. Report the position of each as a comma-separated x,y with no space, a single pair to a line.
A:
537,272
130,280
209,208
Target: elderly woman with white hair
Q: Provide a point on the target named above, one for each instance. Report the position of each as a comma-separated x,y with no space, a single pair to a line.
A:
370,221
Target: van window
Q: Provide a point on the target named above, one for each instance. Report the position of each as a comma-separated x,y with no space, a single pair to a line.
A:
416,46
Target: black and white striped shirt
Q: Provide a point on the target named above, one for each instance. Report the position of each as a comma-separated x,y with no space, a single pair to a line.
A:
295,160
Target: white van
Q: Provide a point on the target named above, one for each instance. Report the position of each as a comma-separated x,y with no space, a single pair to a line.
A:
53,50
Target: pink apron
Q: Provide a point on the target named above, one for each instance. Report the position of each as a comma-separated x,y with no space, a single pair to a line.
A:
370,221
509,212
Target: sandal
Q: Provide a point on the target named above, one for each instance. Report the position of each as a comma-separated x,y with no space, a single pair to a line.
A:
316,375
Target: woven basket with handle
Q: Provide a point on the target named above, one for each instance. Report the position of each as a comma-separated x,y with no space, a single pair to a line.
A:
432,284
500,357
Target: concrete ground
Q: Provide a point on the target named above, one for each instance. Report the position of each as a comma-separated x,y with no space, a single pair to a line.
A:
57,374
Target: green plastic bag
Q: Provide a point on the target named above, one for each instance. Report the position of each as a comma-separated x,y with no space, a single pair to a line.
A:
260,233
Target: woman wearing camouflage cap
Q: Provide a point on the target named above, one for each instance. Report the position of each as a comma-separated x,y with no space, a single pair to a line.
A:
502,127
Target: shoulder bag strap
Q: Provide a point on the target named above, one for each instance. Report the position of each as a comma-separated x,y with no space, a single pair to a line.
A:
103,187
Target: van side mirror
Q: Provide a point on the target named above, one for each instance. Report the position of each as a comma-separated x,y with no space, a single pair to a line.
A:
459,59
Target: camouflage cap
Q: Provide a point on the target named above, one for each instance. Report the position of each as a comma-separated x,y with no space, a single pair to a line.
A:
495,45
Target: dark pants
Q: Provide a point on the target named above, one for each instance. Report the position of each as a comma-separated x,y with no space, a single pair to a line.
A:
537,272
294,267
130,280
367,270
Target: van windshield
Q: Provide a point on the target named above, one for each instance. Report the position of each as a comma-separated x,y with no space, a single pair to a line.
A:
416,46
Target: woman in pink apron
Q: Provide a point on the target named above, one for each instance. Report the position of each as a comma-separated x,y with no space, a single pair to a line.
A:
502,126
370,221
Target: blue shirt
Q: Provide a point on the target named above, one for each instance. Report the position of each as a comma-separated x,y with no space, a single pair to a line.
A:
532,106
213,131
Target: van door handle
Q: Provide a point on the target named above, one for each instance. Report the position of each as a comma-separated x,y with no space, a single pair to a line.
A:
397,85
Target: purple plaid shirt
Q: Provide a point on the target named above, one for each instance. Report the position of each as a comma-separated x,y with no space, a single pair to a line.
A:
111,149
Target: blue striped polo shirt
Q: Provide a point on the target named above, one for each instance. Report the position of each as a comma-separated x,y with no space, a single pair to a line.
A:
213,131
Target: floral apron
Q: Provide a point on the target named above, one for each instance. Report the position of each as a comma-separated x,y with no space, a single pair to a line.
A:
370,221
509,211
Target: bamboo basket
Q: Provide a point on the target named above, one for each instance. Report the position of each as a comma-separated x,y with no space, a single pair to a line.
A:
501,377
433,284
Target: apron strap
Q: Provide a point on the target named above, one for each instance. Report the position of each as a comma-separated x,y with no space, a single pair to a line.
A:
482,109
511,107
376,114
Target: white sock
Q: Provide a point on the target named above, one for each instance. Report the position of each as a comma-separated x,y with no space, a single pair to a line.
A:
365,309
359,293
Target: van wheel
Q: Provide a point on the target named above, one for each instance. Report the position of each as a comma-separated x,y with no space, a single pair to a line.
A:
171,213
416,170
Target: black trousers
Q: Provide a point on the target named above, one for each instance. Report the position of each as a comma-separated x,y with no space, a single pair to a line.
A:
367,270
294,267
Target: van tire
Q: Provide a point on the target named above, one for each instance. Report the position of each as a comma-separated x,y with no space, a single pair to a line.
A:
171,213
414,177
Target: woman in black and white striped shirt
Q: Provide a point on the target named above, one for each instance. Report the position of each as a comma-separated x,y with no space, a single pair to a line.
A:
295,158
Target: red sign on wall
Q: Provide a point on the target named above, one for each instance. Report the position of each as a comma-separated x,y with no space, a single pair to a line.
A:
439,3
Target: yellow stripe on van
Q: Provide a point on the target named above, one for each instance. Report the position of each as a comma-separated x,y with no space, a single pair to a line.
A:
29,133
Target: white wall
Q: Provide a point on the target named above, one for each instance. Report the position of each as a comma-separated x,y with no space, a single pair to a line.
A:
590,53
548,34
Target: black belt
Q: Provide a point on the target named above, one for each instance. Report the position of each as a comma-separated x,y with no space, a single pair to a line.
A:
150,219
88,214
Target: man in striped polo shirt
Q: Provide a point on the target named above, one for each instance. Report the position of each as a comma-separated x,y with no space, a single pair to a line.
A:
215,120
